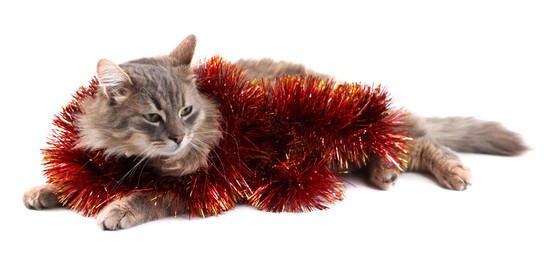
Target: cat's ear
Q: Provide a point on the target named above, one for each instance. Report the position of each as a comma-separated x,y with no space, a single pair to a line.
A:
182,55
114,82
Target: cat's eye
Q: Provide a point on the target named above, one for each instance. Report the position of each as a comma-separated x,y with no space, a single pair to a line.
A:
186,111
153,117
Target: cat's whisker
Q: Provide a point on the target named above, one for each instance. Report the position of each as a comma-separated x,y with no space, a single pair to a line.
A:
196,149
117,147
235,141
218,147
238,158
142,160
208,131
237,147
118,150
221,170
148,157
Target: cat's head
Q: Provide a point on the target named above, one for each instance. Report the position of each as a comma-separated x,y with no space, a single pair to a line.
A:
151,108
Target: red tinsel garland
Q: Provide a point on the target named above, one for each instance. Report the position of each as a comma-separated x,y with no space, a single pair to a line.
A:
284,141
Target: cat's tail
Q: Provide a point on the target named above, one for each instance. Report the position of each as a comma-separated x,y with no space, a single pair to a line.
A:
467,134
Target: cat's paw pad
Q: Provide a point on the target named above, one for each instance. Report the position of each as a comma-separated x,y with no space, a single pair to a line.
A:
457,178
118,215
40,197
382,177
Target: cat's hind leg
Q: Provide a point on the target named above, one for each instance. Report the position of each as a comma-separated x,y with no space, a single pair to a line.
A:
380,175
41,197
426,155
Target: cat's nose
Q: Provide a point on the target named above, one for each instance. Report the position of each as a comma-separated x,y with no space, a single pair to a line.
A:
177,138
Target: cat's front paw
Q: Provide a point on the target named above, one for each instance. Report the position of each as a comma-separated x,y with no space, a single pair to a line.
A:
118,215
41,197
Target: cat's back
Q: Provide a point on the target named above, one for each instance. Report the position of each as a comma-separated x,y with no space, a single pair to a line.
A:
268,68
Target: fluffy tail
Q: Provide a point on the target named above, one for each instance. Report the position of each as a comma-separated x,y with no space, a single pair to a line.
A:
466,134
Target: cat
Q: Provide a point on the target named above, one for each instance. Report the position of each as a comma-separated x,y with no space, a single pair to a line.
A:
150,108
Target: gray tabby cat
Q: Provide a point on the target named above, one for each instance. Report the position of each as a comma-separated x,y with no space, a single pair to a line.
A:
151,108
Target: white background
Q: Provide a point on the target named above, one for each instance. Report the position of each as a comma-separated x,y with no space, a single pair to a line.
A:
494,60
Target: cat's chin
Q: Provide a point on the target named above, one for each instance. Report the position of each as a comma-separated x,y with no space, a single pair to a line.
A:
170,150
163,152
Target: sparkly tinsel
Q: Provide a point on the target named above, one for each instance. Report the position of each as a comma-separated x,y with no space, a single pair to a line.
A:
285,140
